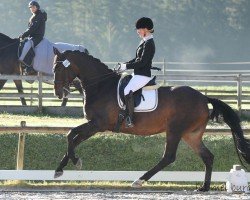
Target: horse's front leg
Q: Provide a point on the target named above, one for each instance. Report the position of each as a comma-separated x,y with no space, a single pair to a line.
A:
75,137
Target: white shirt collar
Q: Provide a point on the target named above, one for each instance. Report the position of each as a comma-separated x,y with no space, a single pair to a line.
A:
150,36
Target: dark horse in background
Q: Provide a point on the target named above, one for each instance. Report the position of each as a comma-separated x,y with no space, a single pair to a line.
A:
182,113
9,65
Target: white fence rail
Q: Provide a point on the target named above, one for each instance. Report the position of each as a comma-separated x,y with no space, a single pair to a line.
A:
174,176
165,77
20,174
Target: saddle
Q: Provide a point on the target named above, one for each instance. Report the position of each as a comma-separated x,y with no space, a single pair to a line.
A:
145,99
138,96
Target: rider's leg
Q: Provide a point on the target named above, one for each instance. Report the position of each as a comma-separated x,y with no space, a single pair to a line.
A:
26,48
129,101
136,83
27,57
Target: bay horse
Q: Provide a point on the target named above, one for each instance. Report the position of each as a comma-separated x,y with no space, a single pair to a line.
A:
10,65
182,113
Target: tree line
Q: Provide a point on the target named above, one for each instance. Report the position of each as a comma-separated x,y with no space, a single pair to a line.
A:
185,30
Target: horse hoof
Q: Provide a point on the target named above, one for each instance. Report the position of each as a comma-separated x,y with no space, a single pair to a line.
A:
202,189
138,183
79,164
58,174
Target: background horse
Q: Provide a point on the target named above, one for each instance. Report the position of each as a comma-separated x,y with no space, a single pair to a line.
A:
10,65
182,113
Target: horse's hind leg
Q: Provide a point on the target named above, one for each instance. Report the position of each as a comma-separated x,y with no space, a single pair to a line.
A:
19,87
64,101
2,83
194,140
173,139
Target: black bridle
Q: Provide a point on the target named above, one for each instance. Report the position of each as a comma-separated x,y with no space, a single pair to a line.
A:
67,80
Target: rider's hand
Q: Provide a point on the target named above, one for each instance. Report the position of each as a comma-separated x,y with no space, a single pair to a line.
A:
122,66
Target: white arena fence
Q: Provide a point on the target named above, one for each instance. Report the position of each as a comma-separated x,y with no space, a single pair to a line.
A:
44,97
166,76
48,175
172,176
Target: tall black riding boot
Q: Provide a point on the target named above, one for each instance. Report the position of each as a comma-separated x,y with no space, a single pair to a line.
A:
129,101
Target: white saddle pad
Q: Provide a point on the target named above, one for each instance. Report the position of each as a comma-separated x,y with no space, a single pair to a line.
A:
44,55
148,104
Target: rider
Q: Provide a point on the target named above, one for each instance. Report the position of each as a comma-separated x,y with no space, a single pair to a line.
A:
141,64
35,32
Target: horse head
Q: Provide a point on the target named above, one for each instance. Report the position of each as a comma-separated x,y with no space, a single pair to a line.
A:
71,64
65,71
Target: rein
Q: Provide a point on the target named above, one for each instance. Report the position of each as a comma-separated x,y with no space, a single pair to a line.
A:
8,45
105,76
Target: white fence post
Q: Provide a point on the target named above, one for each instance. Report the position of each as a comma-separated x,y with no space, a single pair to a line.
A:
20,151
40,92
164,71
239,92
32,92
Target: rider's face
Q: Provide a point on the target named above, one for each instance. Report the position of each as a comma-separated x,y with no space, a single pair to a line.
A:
142,32
33,9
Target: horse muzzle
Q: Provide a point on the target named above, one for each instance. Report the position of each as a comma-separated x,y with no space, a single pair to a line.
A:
58,91
59,94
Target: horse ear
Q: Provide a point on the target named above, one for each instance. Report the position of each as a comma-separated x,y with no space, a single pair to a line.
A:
56,51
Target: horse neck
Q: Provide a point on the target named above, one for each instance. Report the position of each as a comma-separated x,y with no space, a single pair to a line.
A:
5,40
95,76
9,58
106,81
10,48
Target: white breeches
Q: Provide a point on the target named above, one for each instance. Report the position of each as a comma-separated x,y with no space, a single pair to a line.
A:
136,83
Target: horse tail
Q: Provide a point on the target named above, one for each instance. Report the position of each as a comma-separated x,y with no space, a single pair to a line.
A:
230,117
